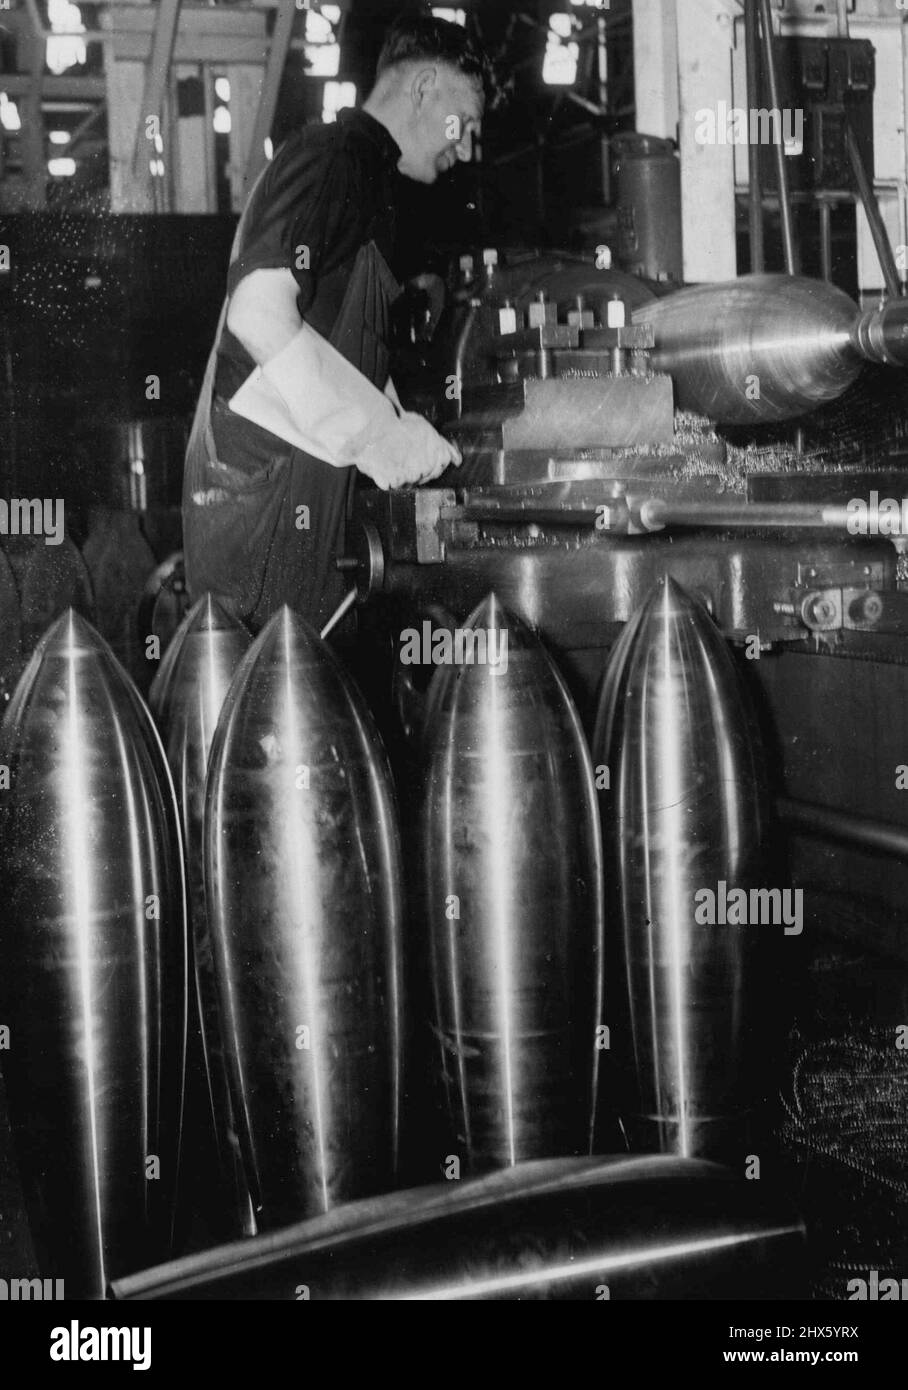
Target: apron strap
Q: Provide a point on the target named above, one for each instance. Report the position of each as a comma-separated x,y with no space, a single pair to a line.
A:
201,446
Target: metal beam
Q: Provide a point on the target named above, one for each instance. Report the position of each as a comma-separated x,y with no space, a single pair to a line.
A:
707,170
17,84
156,75
274,71
193,48
655,67
84,125
34,17
237,22
872,213
754,99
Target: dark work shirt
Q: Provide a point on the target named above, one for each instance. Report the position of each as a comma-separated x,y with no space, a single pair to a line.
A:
329,190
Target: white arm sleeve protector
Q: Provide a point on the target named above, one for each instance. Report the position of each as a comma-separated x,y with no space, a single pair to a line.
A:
311,396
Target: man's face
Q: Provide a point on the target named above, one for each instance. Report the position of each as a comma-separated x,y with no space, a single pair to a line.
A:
446,115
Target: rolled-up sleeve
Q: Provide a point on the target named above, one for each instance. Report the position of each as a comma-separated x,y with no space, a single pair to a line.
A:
300,219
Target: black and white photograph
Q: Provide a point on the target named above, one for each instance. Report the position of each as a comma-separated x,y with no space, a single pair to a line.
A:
454,668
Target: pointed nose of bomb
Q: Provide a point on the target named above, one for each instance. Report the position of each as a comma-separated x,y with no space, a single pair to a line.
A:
198,665
673,699
93,952
303,885
512,898
71,667
685,813
491,613
480,654
70,639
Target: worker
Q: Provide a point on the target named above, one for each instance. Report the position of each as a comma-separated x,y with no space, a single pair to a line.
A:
297,397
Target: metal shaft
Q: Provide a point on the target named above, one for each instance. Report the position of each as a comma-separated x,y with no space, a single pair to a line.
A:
656,512
872,211
881,334
755,175
785,212
340,612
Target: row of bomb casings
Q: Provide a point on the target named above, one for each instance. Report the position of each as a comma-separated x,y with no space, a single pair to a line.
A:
541,933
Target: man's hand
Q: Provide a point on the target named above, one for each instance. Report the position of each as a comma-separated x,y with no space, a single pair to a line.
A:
326,398
409,453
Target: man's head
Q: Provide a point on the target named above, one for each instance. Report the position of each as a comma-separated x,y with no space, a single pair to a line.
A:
429,92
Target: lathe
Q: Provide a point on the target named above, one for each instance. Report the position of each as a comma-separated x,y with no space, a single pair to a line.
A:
613,433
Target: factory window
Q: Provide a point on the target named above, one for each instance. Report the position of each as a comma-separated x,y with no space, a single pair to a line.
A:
561,52
453,16
337,96
65,49
9,114
222,124
321,48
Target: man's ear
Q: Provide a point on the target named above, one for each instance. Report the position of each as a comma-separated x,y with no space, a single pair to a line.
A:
423,84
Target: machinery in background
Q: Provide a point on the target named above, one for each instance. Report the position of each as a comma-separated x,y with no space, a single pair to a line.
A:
582,485
649,207
831,81
766,348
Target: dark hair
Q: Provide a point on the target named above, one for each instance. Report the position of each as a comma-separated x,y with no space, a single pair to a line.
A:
418,37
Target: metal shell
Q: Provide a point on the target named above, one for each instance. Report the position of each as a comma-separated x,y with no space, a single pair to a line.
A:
756,349
186,698
93,962
625,1228
511,864
686,812
303,880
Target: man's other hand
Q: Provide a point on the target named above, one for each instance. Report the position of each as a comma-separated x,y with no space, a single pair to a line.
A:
409,453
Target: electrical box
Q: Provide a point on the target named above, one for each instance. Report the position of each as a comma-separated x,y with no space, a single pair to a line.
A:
823,83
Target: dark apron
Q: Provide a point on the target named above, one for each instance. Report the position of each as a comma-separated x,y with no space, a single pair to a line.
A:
263,522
